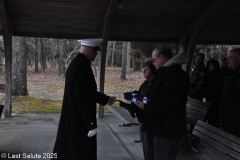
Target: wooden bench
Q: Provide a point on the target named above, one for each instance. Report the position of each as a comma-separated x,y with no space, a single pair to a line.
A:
212,144
196,110
124,115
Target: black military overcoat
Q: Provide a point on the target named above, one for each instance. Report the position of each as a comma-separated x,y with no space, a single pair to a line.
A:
78,114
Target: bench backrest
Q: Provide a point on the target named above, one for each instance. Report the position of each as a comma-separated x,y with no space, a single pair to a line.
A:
215,143
196,110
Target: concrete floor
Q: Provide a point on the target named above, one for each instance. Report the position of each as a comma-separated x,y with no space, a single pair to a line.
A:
32,135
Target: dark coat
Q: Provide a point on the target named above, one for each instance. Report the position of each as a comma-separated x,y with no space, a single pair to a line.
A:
78,114
145,86
213,85
230,103
166,113
197,77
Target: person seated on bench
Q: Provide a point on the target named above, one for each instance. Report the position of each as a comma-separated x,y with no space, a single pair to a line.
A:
230,100
165,115
148,73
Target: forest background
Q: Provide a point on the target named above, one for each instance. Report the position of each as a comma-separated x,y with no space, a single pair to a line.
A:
39,65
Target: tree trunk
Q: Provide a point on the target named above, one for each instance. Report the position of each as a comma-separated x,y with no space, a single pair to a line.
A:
205,52
124,61
54,54
107,56
29,61
43,55
19,67
61,67
1,60
137,65
219,55
113,53
128,57
94,64
36,55
48,58
212,52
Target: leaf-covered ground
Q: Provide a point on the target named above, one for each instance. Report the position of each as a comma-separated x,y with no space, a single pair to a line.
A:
46,89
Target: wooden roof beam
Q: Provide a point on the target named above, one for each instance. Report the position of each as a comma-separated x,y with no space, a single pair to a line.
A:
7,38
104,34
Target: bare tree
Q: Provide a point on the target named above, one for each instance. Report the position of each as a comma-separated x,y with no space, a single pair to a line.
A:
62,62
124,61
36,54
108,53
113,53
42,54
19,67
1,59
48,51
128,57
54,52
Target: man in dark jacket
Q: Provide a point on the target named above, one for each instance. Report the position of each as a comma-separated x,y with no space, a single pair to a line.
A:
165,115
230,100
197,77
76,136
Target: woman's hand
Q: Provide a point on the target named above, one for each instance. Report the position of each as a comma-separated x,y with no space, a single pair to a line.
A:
139,104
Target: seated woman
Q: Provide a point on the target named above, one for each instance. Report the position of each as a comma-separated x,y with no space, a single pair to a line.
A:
148,73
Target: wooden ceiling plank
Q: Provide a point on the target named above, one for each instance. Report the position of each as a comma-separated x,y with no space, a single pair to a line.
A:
195,27
104,34
7,37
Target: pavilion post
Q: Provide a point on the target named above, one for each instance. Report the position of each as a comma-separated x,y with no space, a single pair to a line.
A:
104,33
7,38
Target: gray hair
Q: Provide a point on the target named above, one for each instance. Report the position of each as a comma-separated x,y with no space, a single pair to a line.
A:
164,51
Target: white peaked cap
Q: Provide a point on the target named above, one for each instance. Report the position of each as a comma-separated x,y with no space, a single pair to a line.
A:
95,42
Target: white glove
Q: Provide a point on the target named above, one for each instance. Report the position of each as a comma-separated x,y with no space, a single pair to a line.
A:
111,101
92,132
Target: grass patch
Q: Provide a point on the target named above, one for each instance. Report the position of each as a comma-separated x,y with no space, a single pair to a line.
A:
27,104
24,104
